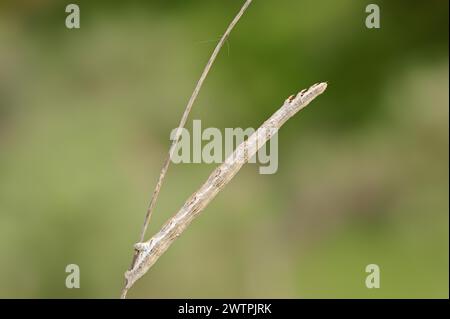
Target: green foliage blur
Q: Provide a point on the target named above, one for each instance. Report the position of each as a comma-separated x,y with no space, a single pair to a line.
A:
85,117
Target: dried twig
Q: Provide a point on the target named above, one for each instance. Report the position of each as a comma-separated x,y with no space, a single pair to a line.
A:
150,251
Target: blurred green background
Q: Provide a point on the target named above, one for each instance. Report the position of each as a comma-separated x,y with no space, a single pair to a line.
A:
85,117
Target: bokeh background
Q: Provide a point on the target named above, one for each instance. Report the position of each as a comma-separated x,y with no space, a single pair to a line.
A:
85,117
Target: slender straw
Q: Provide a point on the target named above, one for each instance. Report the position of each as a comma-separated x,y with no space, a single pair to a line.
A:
191,101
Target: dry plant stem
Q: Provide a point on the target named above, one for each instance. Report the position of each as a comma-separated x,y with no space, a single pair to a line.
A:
150,251
191,101
186,114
